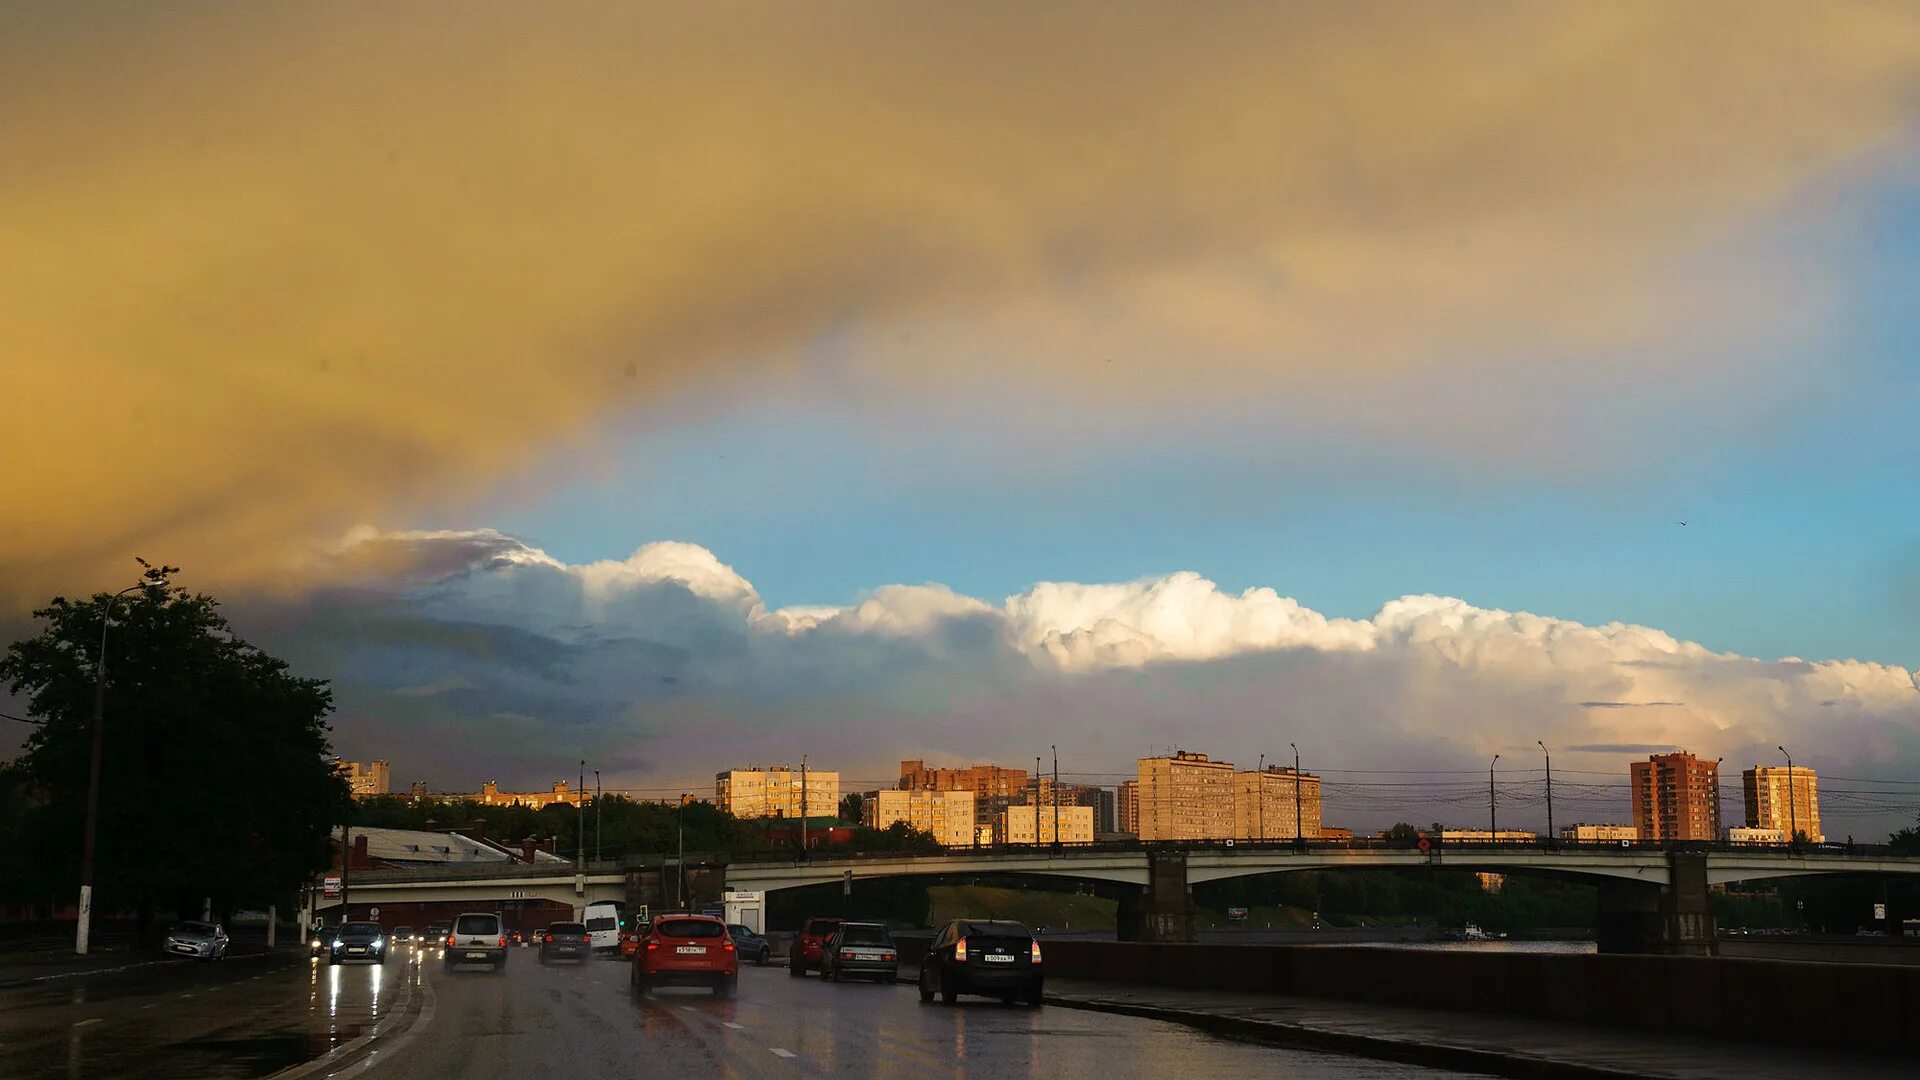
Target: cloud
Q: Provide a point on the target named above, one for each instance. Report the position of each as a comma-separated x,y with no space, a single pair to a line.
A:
275,269
513,663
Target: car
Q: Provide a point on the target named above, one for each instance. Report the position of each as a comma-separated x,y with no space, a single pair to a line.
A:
565,941
860,951
537,935
687,950
809,944
434,936
752,946
476,938
630,941
198,940
357,941
987,957
402,937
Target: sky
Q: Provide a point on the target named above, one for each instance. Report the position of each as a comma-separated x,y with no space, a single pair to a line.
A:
688,388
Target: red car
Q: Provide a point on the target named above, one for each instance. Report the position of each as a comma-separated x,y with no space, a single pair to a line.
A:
687,950
810,947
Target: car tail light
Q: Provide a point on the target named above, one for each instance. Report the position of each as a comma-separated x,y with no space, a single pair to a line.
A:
846,954
588,938
449,941
728,947
960,950
1036,952
549,938
886,956
652,945
503,941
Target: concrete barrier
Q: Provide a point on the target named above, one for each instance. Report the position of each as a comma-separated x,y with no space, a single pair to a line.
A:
1843,1006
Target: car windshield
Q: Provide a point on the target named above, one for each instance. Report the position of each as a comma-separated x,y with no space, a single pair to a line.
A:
993,928
691,928
740,931
821,926
360,929
205,929
865,935
398,930
477,924
567,928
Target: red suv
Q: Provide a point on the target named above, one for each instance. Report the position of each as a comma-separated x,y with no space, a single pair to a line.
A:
810,947
687,950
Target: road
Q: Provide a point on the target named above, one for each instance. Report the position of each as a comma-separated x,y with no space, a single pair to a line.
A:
251,1018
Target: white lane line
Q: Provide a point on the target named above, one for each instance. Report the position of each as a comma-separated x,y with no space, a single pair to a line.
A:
150,1005
688,1008
783,1052
84,1023
734,1026
186,995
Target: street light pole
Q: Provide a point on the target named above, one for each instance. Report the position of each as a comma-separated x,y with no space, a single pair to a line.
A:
1493,820
1262,789
580,802
680,863
1793,813
1056,793
1719,808
1299,826
598,818
154,578
1549,753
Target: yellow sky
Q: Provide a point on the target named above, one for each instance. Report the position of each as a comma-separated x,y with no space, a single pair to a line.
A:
267,271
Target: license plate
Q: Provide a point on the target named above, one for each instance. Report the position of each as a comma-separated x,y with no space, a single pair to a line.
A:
356,948
476,956
692,950
997,958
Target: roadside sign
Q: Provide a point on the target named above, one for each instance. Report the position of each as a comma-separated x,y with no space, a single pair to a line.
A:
330,886
1424,846
846,883
1879,912
373,913
1236,914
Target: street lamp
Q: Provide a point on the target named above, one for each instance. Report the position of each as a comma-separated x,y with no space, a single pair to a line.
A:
153,578
1299,826
1493,821
598,792
1793,814
1262,789
1543,749
680,863
1719,809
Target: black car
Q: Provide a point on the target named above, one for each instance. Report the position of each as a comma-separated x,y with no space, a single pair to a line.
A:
402,935
752,946
357,941
565,941
860,951
434,936
988,957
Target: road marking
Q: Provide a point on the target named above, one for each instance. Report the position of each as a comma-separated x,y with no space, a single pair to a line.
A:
734,1026
150,1005
186,995
783,1053
84,1023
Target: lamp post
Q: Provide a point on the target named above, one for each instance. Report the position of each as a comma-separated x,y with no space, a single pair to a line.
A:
1262,795
1551,836
153,578
1719,814
1299,826
1056,793
580,803
1793,813
680,863
1493,820
598,791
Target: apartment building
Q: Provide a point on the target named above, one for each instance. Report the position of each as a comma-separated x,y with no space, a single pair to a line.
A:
1100,800
366,778
779,791
1676,797
1784,800
1599,834
1277,804
948,815
994,787
1185,796
1126,807
1027,824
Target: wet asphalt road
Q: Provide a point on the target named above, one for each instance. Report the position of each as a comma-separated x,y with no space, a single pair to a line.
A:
250,1018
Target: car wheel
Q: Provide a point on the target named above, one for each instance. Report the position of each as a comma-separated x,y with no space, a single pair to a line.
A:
948,997
796,969
926,992
543,958
332,960
724,988
764,958
1034,995
640,985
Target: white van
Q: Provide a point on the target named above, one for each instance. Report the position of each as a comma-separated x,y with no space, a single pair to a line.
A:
605,920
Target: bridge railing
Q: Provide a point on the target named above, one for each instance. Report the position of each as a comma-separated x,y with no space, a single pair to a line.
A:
1312,846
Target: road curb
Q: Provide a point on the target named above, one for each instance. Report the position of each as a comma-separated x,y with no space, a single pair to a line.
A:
1462,1058
6,984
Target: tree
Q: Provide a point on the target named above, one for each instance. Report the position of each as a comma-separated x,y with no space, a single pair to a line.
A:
852,806
214,779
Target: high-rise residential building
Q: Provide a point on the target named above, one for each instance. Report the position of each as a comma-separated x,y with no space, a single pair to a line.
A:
994,787
1676,797
1185,796
1029,824
561,793
948,815
1099,799
1783,799
1265,804
777,791
1599,834
1126,807
366,778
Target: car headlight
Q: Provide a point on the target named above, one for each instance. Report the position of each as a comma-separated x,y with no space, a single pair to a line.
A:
337,943
379,943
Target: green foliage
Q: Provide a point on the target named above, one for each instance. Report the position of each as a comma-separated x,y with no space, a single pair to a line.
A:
1375,897
214,775
851,806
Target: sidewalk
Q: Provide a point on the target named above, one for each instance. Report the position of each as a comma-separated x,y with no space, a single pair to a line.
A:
25,967
1503,1045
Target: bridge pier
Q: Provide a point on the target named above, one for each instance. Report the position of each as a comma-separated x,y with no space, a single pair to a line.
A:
1163,911
1670,920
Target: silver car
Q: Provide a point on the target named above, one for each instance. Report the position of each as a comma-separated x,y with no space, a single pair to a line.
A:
477,938
198,940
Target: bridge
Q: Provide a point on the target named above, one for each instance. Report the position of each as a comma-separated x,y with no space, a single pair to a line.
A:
1652,897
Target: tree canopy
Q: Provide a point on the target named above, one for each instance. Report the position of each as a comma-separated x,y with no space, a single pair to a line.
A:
214,778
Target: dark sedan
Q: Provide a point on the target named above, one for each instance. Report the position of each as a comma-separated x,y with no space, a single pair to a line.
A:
752,946
989,957
357,941
565,941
